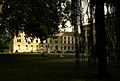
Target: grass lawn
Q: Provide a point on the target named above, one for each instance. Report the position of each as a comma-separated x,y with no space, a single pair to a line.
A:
30,67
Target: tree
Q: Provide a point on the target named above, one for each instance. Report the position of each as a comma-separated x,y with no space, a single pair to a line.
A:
117,15
101,38
38,18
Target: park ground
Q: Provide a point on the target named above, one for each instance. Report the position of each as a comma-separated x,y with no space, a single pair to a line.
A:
33,67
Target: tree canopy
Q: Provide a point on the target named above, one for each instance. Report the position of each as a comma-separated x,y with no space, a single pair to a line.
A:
39,18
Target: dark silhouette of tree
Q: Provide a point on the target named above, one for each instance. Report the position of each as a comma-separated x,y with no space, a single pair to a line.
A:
38,18
117,16
101,38
74,15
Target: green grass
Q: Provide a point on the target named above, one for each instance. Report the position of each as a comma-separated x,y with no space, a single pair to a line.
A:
27,67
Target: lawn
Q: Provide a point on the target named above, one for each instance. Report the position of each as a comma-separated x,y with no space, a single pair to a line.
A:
33,67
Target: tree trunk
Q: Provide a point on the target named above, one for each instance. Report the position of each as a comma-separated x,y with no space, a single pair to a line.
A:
117,14
101,38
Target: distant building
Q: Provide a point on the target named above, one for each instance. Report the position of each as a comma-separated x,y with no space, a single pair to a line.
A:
21,43
61,42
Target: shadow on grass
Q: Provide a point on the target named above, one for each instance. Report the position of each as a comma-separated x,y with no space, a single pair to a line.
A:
36,68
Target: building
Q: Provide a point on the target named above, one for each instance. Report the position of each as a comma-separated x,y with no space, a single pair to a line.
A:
61,42
21,43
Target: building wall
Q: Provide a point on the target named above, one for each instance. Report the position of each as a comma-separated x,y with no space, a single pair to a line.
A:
64,42
22,44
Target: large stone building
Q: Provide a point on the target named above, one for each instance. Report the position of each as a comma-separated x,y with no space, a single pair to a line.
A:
21,43
62,42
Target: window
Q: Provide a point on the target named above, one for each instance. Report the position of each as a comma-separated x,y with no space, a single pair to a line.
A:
72,47
64,41
61,48
68,42
36,41
56,47
61,41
18,47
46,46
50,41
56,41
72,38
64,47
64,37
32,47
72,42
68,38
68,47
18,40
26,47
25,37
41,45
32,40
55,37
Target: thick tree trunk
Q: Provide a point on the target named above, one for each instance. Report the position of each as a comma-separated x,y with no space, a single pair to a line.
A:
101,38
74,23
117,14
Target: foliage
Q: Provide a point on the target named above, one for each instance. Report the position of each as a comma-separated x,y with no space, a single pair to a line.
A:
39,18
4,42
